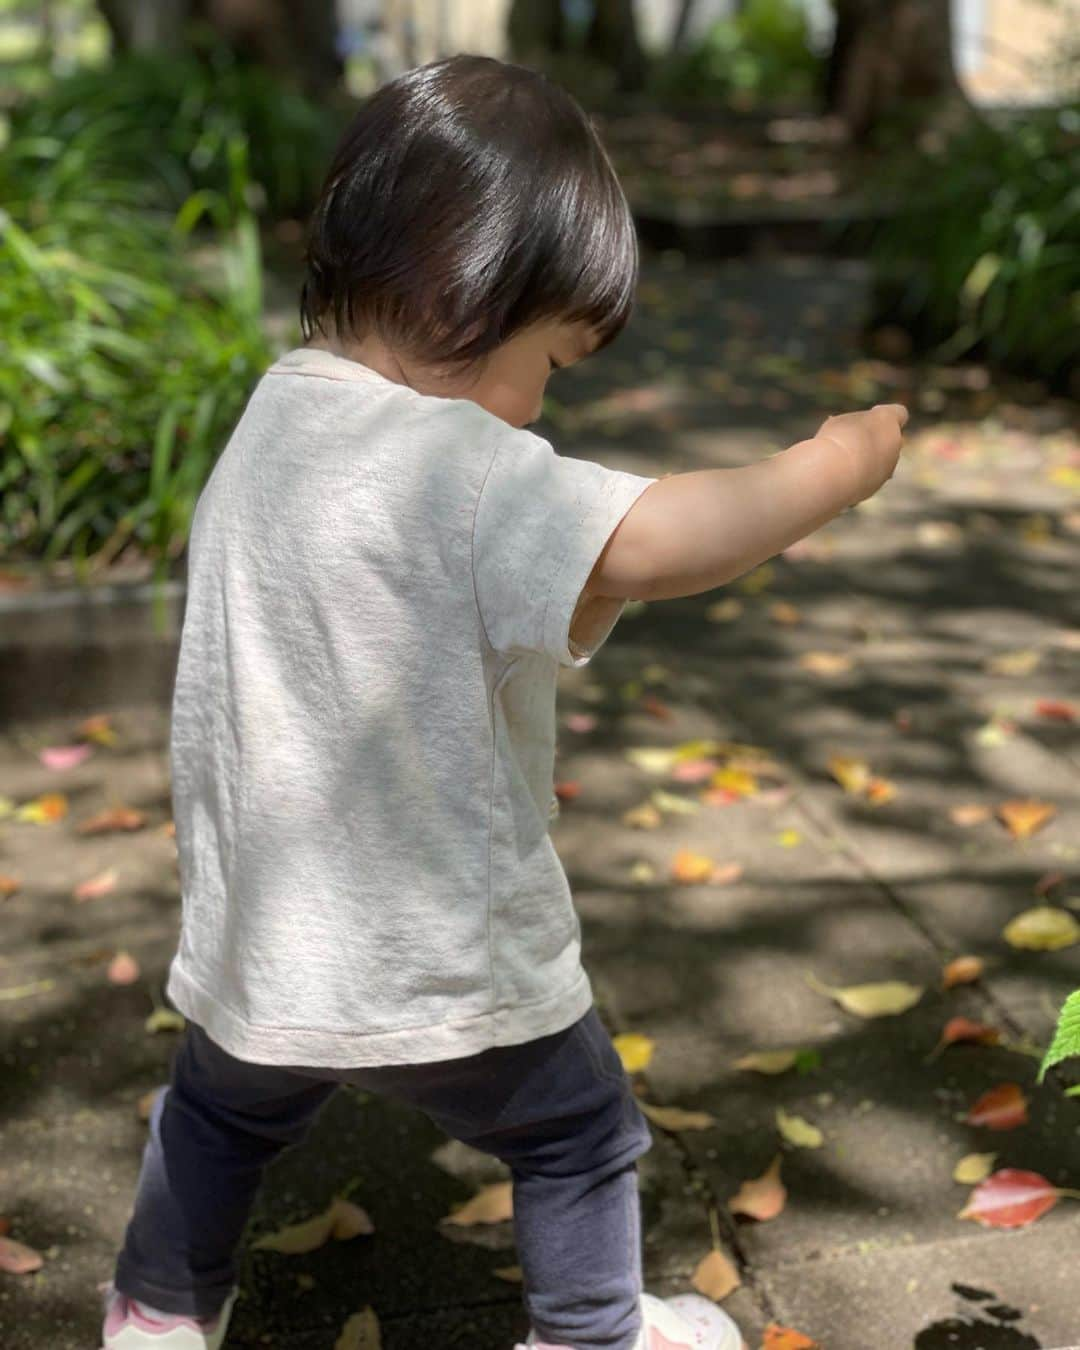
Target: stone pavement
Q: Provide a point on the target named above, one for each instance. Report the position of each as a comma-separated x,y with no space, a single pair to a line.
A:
951,609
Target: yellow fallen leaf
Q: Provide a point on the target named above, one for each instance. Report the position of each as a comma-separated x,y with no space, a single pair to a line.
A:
643,817
1023,817
724,611
715,1276
653,759
768,1061
360,1332
491,1204
1064,475
871,1000
1044,928
675,1118
826,663
968,814
1013,663
698,750
880,790
973,1168
7,806
163,1019
789,838
642,872
852,774
760,579
739,781
97,728
635,1050
511,1274
798,1131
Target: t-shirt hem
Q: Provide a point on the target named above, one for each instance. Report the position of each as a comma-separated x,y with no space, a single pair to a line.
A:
317,1047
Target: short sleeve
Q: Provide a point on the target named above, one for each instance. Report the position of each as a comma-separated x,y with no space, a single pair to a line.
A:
542,520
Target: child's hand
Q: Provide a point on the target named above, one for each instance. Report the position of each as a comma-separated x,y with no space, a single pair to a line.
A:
873,439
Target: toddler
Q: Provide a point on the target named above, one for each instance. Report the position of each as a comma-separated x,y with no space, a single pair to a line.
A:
386,571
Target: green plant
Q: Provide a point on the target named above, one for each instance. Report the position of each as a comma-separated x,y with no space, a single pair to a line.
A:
761,52
1066,1042
982,248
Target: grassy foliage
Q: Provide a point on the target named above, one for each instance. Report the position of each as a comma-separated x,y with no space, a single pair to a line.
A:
984,255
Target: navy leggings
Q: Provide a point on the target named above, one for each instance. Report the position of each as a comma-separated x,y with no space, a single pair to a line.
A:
558,1111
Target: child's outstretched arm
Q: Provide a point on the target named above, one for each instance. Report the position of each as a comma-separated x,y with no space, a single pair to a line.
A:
690,532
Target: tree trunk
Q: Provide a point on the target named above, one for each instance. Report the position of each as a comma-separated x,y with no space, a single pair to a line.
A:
893,56
296,39
682,24
535,28
613,41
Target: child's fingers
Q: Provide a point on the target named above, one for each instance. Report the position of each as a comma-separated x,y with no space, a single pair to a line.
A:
898,409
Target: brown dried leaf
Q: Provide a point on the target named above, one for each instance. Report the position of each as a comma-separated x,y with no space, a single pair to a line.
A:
715,1276
492,1204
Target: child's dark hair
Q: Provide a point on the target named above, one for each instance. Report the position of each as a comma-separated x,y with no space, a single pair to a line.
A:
467,200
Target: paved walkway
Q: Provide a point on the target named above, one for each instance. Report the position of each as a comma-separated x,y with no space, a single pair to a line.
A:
950,609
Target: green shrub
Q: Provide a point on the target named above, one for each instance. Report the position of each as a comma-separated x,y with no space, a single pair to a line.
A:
982,252
760,53
124,365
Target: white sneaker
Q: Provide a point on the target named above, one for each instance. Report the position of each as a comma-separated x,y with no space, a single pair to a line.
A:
131,1325
685,1322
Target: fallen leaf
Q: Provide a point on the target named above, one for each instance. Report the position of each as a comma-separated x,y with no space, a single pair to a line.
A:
768,1061
974,1167
642,872
789,838
959,1029
693,770
8,886
341,1220
715,1276
96,886
880,790
725,874
164,1019
690,868
1001,1108
1013,663
115,818
26,990
567,791
581,722
798,1131
511,1274
64,756
778,1337
1011,1198
643,817
1049,881
123,969
1044,928
763,1197
145,1104
734,780
962,970
969,813
651,758
44,810
98,728
671,802
17,1258
655,708
675,1118
758,580
784,613
492,1204
724,611
872,1000
360,1332
826,663
1022,817
1057,710
634,1050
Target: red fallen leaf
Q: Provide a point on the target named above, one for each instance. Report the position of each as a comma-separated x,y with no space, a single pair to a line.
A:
963,1029
779,1337
18,1259
96,886
718,796
116,818
1011,1198
1048,882
1001,1108
567,791
962,970
694,770
5,1225
652,704
1057,710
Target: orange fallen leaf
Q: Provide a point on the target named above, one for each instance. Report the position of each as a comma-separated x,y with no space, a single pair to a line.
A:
643,817
145,1104
689,868
115,818
492,1204
715,1276
962,970
44,810
17,1258
652,705
1012,1198
96,886
8,886
341,1220
567,791
763,1197
694,770
725,874
1001,1108
779,1337
880,790
783,612
825,663
1022,817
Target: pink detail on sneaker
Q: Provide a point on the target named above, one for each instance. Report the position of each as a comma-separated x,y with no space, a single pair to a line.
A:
658,1341
128,1312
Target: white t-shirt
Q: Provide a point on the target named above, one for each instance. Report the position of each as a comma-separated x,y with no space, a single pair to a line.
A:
380,587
